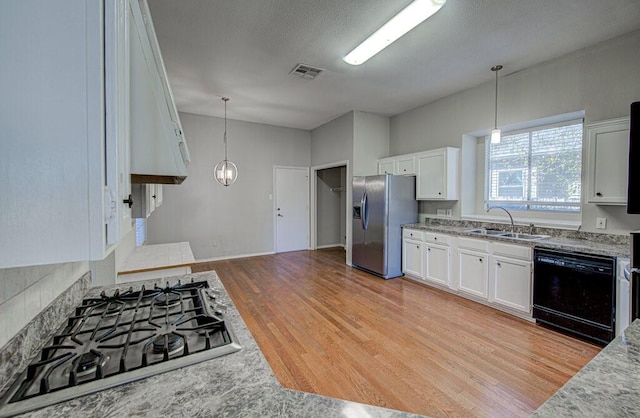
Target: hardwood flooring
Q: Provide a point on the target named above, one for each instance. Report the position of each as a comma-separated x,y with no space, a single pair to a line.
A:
329,329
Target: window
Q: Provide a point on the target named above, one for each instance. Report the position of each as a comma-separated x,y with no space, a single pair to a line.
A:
141,231
536,169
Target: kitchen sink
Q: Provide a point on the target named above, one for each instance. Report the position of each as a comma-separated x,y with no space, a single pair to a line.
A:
506,234
482,231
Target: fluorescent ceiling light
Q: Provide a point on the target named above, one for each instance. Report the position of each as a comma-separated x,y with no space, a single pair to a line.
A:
410,17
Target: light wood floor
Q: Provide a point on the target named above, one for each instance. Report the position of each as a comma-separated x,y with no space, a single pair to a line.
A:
329,329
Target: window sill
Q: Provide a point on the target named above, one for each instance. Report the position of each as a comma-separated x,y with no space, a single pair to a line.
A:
544,223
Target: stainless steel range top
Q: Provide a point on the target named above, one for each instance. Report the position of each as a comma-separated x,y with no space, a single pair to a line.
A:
122,337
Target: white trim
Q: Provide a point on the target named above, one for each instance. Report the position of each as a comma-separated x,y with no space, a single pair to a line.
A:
319,247
313,242
231,257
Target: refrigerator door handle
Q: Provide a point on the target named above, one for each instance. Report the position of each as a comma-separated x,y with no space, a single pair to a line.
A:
364,216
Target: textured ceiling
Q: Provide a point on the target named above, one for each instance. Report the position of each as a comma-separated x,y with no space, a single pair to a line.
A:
244,49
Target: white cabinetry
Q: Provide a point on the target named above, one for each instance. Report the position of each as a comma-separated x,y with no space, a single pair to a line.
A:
608,148
412,260
437,174
436,258
67,119
387,166
404,165
146,198
64,116
473,267
511,272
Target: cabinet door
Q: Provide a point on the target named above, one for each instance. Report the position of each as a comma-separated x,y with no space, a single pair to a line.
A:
474,273
412,258
158,195
608,161
406,166
386,166
511,283
430,177
437,264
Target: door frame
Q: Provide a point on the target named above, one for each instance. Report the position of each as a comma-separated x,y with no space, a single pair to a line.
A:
275,199
314,208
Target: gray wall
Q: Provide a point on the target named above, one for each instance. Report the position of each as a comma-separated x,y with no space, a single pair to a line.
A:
227,221
333,141
601,80
370,142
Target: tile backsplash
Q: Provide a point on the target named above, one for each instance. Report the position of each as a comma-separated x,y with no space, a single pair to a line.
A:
26,291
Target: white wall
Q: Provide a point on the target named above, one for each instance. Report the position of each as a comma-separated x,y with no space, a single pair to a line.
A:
601,80
229,221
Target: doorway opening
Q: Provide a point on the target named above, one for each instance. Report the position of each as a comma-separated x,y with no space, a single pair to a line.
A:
331,197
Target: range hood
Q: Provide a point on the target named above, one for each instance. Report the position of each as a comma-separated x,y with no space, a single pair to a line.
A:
159,152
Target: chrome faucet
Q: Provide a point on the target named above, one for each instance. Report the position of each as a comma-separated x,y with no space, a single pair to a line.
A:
500,207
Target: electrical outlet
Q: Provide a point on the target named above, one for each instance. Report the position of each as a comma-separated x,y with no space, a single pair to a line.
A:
601,223
448,213
441,212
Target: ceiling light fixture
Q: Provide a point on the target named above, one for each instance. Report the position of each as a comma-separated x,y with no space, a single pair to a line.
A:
495,132
225,172
410,17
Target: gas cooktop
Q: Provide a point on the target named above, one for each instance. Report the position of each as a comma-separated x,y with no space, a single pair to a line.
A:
121,337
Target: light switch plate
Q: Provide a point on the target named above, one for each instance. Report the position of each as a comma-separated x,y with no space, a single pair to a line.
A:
601,223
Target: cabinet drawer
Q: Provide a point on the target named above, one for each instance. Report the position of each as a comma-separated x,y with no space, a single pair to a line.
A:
510,250
474,244
435,238
412,234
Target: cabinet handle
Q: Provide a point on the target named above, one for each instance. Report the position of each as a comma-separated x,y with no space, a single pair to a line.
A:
599,194
435,238
128,201
480,260
498,264
440,193
417,246
428,249
154,196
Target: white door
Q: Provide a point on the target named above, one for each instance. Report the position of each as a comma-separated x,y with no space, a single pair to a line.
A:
291,186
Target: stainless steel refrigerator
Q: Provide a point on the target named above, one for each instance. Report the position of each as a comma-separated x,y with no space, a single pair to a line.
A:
380,205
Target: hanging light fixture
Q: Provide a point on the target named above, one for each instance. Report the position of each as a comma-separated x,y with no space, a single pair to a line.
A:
225,172
495,132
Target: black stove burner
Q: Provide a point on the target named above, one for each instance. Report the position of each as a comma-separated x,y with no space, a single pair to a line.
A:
87,363
167,300
174,344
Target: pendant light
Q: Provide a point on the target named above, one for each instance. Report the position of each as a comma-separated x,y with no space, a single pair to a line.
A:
495,132
225,172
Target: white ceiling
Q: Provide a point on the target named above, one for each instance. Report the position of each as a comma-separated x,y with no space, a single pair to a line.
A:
244,49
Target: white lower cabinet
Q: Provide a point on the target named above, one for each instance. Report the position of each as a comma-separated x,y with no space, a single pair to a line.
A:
511,274
495,273
412,258
473,268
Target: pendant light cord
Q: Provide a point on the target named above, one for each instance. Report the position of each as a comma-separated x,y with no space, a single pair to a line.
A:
225,99
496,69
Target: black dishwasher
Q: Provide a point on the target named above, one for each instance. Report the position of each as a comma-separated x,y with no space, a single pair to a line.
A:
575,293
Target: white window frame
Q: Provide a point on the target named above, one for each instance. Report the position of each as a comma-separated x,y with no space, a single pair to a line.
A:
529,203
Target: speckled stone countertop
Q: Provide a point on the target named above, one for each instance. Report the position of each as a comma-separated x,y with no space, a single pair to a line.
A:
608,386
236,385
584,242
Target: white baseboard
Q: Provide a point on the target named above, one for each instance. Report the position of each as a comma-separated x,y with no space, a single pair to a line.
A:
229,257
319,247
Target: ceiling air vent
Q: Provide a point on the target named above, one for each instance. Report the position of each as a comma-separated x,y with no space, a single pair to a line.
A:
306,71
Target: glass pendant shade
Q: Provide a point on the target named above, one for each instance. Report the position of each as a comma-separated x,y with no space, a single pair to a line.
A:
226,172
495,136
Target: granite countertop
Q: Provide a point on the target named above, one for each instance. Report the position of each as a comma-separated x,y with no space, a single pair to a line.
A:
236,385
608,386
600,244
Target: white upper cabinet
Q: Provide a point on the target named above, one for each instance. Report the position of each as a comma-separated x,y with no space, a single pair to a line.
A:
437,174
159,152
608,157
387,166
66,118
